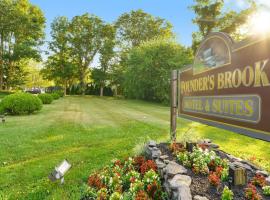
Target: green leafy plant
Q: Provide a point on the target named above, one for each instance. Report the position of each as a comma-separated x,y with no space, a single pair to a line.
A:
20,103
266,190
227,194
46,98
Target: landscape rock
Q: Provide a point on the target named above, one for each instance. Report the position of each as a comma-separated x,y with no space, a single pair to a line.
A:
179,180
197,197
173,169
164,157
214,146
166,161
152,143
155,153
268,180
233,158
184,193
240,164
250,164
205,141
160,164
264,173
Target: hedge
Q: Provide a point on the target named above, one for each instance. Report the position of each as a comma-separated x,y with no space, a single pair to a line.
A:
46,98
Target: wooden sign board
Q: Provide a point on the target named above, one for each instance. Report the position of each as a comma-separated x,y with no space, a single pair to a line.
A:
228,85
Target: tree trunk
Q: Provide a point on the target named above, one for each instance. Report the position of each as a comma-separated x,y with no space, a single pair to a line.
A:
101,91
65,88
2,62
115,91
82,83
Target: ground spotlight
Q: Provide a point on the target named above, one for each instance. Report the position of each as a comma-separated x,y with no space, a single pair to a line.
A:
59,171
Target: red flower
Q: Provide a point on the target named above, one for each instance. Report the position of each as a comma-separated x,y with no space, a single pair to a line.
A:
141,195
95,181
219,170
132,179
214,179
251,193
152,189
148,165
258,180
138,161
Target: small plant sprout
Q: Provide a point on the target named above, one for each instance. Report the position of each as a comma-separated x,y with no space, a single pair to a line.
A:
227,194
266,190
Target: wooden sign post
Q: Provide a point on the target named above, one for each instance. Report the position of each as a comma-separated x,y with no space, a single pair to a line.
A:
174,82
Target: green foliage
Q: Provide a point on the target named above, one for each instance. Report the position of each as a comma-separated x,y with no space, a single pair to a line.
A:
59,92
120,126
60,67
149,67
210,17
46,98
227,194
84,52
137,26
55,95
21,103
266,190
100,75
22,30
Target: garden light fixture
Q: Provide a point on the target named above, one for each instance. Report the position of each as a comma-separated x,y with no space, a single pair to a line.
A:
59,171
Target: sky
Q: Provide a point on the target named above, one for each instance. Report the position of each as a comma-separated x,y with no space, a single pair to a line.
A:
177,12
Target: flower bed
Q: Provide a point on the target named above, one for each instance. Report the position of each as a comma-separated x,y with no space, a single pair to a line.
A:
209,173
134,178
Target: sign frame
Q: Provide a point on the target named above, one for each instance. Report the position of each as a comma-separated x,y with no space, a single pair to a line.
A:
232,47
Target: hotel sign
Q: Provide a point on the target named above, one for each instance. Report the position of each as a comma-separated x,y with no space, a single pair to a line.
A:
228,85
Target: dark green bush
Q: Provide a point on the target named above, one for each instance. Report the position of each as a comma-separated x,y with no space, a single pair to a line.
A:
46,98
55,95
20,103
59,92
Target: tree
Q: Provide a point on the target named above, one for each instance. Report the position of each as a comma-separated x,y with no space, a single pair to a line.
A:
60,67
132,29
106,53
21,32
137,26
149,67
85,37
60,70
209,18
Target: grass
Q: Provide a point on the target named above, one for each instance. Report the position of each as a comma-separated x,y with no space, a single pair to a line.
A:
90,132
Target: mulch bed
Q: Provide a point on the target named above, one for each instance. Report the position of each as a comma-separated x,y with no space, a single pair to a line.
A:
201,186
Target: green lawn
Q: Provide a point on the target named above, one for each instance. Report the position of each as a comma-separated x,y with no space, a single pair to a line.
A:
89,132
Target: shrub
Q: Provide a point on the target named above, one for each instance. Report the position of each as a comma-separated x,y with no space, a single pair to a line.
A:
55,95
60,93
227,194
20,103
46,98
